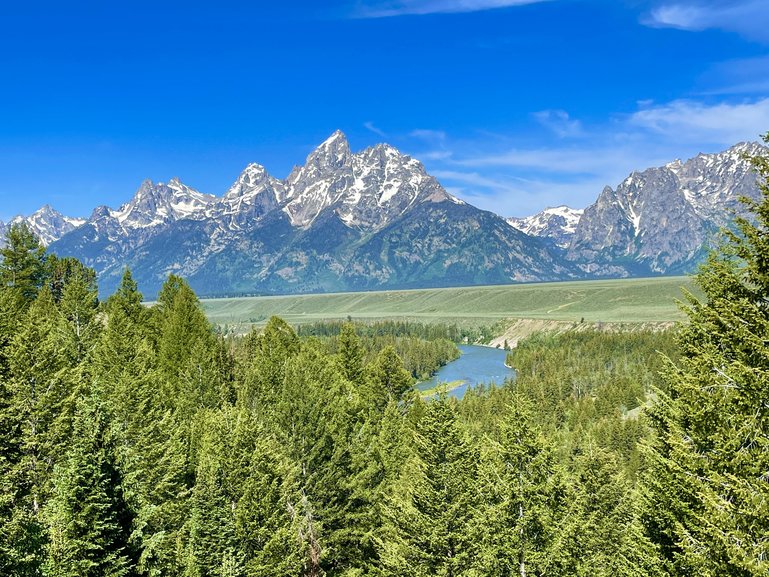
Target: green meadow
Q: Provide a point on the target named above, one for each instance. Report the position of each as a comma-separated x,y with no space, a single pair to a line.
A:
645,300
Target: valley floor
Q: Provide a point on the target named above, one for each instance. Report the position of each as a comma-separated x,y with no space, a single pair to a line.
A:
544,306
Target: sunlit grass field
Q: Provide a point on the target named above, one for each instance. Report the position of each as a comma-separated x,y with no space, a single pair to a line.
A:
612,301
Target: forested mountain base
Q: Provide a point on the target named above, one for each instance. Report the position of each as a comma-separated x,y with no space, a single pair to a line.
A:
137,441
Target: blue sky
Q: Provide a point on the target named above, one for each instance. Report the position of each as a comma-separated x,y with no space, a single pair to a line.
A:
514,105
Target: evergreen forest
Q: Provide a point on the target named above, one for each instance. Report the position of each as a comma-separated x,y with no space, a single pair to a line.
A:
140,441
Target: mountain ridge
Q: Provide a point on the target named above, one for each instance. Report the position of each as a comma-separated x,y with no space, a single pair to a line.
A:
376,219
341,221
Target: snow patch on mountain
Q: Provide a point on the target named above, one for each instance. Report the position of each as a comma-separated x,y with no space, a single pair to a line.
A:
557,224
155,204
46,223
367,190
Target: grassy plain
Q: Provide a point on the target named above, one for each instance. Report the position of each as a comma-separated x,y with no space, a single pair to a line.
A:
648,300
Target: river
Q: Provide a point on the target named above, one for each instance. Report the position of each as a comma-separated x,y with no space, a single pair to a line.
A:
477,365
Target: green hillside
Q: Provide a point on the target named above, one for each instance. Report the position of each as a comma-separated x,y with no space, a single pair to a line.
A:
623,300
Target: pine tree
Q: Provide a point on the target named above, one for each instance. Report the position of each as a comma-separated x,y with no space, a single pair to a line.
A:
22,265
196,372
60,272
523,496
46,359
600,533
429,509
267,356
124,361
712,446
351,353
211,542
387,379
379,452
88,518
78,305
181,324
36,419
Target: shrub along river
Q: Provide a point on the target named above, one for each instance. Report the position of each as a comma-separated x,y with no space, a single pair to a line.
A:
477,365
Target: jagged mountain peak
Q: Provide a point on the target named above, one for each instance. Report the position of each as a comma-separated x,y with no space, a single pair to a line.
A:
46,209
254,194
384,154
367,189
47,223
334,152
659,219
254,176
337,137
156,203
99,212
749,147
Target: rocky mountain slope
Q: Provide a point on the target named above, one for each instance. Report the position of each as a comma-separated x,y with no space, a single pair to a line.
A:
342,221
661,220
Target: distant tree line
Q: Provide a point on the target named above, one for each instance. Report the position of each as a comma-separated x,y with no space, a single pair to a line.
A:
459,334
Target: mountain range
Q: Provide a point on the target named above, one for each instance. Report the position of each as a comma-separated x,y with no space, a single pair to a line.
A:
376,219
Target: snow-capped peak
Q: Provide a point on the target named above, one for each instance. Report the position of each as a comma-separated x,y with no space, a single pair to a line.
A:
367,189
250,197
336,136
334,152
253,177
556,223
155,204
47,223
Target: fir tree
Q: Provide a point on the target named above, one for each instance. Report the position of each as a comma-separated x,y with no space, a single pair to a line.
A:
387,379
351,353
22,265
88,518
600,533
267,356
712,445
61,271
430,507
523,490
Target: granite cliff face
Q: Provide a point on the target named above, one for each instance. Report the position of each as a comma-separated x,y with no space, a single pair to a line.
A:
661,220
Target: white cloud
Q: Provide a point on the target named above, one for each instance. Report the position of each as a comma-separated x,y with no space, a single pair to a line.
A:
436,155
520,182
559,122
750,18
511,196
499,174
475,179
589,158
428,134
370,126
421,7
681,16
721,123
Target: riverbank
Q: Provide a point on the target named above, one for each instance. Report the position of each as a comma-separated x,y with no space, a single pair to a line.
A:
519,329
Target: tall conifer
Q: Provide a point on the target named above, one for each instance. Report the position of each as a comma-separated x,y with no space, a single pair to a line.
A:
708,490
87,517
